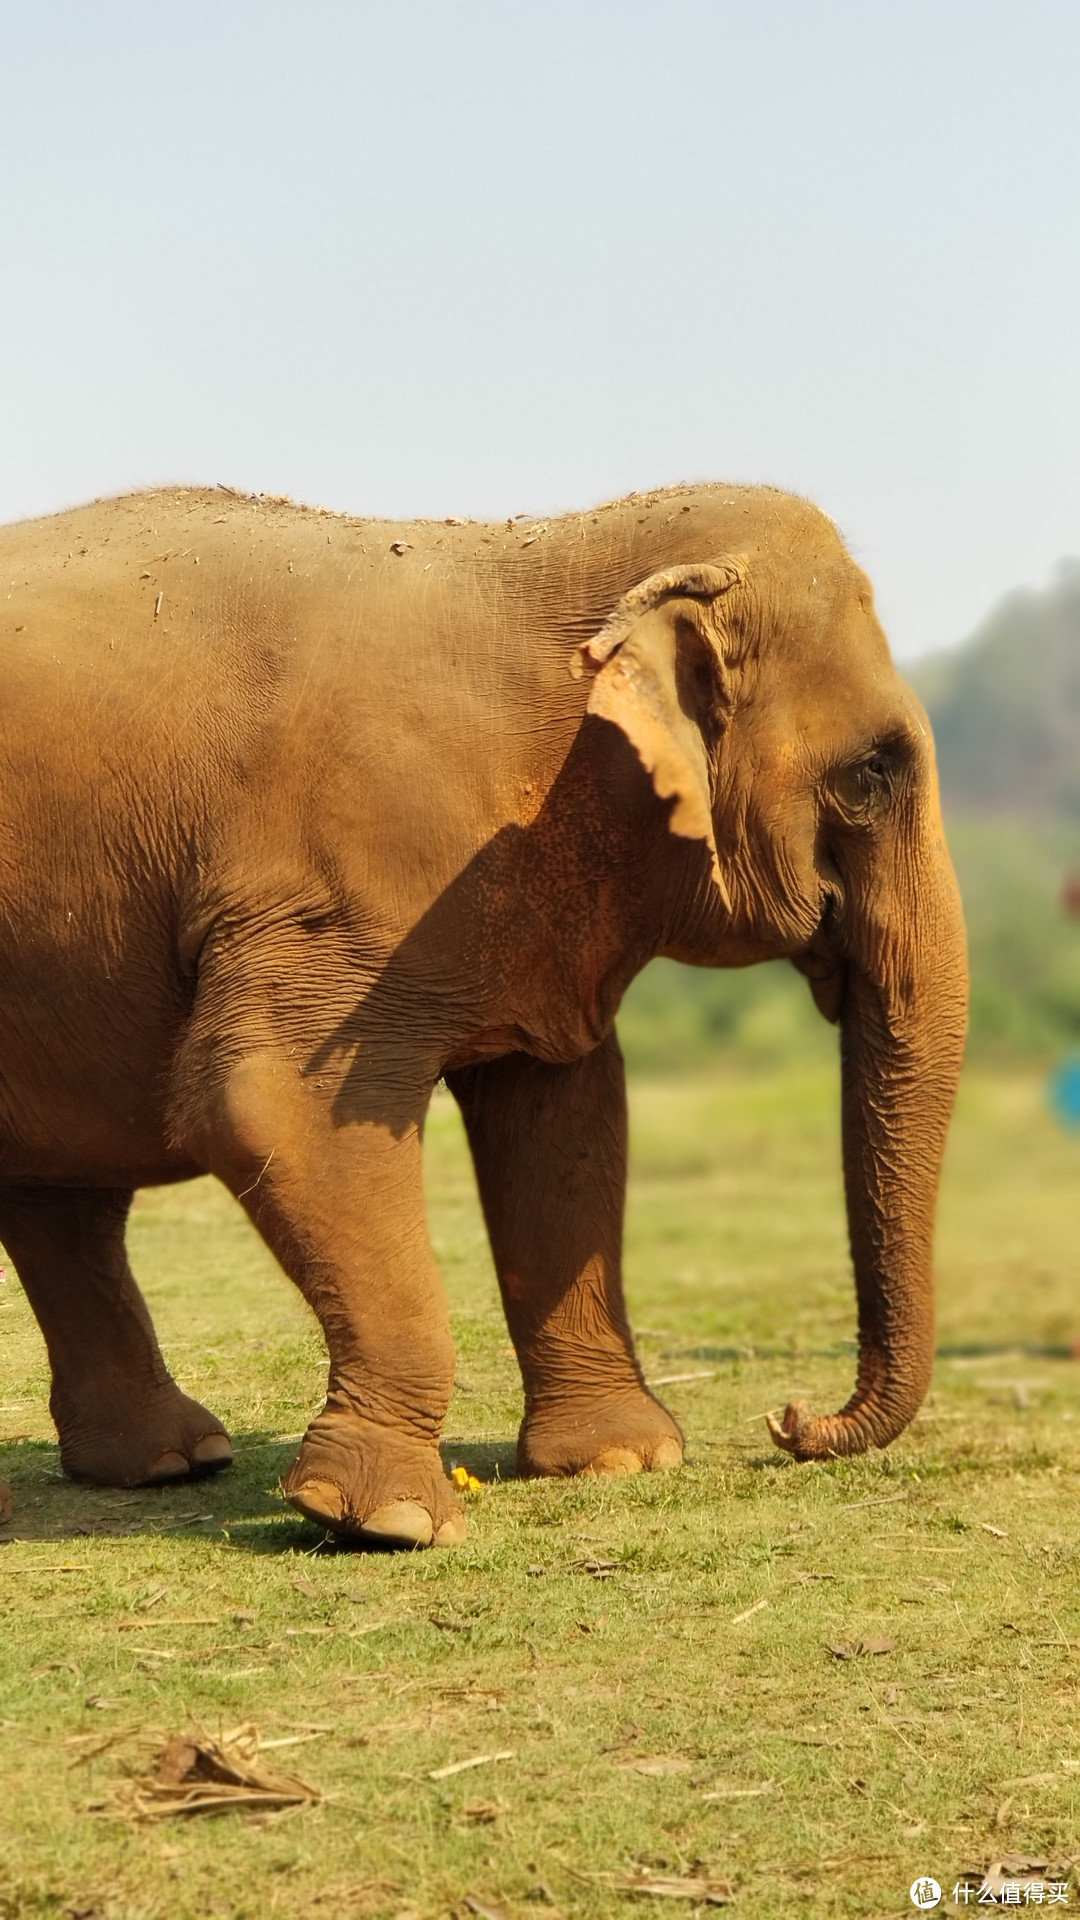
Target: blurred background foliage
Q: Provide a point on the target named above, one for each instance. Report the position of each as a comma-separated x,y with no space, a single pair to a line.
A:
1005,708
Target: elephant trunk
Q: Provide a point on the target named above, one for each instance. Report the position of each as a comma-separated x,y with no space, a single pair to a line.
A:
903,1025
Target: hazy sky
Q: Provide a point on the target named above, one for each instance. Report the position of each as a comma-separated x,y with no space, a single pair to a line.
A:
491,257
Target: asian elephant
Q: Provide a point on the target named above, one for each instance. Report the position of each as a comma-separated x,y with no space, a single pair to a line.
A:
299,813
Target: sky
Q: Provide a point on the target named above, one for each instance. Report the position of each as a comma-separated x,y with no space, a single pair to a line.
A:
483,257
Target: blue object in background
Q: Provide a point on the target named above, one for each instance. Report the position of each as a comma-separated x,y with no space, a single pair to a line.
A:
1064,1091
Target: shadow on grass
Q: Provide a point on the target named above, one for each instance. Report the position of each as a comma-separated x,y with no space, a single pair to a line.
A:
49,1506
844,1349
487,1459
748,1354
1008,1350
241,1508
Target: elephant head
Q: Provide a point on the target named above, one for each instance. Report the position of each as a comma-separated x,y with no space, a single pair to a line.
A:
759,694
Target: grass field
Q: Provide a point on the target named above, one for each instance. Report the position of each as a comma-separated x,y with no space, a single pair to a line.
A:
676,1713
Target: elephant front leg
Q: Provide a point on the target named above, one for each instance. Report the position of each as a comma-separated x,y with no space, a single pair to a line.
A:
549,1146
339,1200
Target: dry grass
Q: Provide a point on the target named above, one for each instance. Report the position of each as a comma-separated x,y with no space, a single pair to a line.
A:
641,1669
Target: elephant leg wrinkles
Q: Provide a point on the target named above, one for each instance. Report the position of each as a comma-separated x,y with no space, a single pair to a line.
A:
549,1147
121,1418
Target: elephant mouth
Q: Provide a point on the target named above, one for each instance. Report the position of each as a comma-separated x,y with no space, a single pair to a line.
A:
821,964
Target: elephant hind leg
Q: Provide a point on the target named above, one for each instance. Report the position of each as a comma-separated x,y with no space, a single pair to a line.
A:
121,1418
549,1147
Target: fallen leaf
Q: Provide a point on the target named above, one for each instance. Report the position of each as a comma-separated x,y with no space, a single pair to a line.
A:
464,1766
879,1500
198,1773
741,1793
738,1618
656,1765
812,1740
999,1533
172,1620
307,1587
89,1745
62,1566
400,546
711,1893
624,1737
361,1896
481,1813
484,1908
859,1649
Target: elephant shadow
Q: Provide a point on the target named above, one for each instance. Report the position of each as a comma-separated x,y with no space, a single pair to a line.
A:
241,1509
532,922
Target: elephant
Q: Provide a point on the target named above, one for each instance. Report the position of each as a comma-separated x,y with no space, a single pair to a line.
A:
303,813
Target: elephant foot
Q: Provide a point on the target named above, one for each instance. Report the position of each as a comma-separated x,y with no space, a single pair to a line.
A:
372,1485
122,1441
628,1432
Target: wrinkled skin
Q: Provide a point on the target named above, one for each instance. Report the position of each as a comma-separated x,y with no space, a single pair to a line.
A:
294,823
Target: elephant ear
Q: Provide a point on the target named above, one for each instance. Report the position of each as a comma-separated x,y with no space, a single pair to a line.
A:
663,679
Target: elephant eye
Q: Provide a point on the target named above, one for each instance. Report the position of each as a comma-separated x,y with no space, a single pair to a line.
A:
864,786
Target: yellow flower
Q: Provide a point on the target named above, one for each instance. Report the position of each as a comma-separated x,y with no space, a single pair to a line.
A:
462,1478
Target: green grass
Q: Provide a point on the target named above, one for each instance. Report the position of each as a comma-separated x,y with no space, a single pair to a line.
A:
960,1545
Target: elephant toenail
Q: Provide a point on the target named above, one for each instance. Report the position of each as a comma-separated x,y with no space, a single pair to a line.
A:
319,1500
452,1532
616,1460
212,1452
666,1454
170,1466
401,1523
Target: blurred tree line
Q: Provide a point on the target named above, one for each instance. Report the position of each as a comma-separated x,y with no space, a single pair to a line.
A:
1005,709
